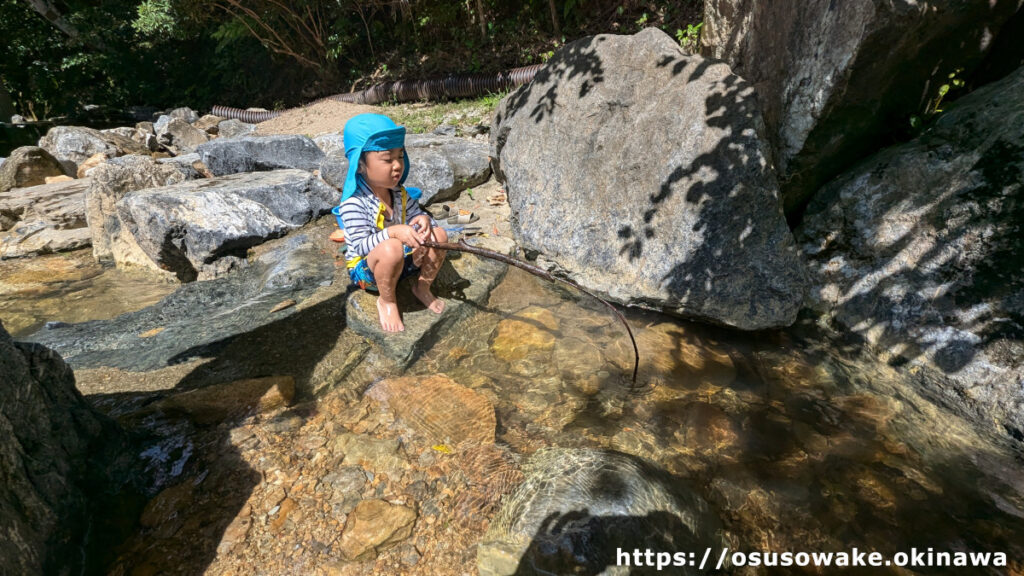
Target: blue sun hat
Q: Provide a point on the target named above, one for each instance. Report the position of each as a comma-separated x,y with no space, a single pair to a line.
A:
368,133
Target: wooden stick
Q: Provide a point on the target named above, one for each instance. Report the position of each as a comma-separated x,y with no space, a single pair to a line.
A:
463,247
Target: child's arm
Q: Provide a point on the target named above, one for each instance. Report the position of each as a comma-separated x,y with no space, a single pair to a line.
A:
413,209
360,229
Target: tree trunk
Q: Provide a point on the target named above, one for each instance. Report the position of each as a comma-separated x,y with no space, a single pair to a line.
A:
554,18
6,105
482,19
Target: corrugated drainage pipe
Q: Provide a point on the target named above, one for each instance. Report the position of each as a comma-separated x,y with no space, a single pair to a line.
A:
455,86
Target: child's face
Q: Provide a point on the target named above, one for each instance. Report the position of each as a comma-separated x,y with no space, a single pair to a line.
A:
383,169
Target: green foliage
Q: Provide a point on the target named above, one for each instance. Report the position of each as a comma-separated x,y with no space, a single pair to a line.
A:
690,38
934,105
155,18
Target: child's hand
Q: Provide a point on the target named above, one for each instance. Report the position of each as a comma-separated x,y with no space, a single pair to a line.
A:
424,231
405,234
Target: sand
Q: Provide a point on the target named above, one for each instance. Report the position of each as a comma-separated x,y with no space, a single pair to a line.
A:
321,118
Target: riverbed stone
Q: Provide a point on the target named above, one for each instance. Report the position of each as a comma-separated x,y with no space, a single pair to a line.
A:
917,250
28,166
259,153
200,229
219,402
837,79
48,435
699,232
577,506
440,410
464,282
111,182
36,237
375,526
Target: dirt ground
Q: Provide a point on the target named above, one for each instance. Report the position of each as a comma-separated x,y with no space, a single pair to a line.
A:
321,118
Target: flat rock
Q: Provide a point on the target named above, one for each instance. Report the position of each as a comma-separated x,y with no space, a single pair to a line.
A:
700,233
836,79
918,251
375,526
464,282
216,403
28,166
199,229
35,237
62,204
258,153
201,318
438,409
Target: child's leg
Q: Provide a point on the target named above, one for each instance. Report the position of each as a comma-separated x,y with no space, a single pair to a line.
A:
386,261
430,262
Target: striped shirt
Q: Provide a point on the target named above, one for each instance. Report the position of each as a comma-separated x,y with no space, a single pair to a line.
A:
359,214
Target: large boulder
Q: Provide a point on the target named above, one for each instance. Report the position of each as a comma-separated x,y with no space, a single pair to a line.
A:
918,249
577,506
28,166
61,204
72,145
202,228
641,173
111,182
443,166
258,153
47,433
837,78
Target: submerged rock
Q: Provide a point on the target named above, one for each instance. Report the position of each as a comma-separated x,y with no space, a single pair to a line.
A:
437,408
642,173
28,166
918,250
375,526
199,229
835,77
577,506
48,433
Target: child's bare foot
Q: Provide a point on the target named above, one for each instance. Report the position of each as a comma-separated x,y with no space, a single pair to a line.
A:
422,291
390,319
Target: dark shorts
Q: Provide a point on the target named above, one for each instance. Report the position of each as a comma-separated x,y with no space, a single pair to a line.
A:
362,276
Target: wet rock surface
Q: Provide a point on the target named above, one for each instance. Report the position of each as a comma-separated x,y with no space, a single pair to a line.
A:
700,233
200,317
835,79
918,251
464,282
200,229
48,435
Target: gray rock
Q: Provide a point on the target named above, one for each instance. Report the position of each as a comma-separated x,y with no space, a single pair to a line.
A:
200,229
47,434
331,143
36,237
443,166
61,204
209,124
918,250
642,173
72,145
180,136
17,119
28,166
577,506
444,130
257,153
834,78
110,183
464,283
334,170
234,128
185,113
201,318
146,127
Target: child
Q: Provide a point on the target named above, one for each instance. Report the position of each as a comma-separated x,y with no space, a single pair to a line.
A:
384,223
